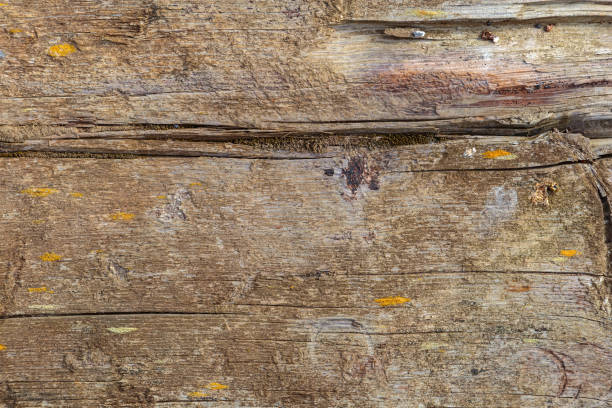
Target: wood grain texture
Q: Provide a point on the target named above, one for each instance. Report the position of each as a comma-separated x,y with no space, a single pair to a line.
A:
308,66
299,204
160,276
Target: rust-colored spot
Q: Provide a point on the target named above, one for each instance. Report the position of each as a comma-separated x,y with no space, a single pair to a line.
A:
523,288
2,347
392,300
569,252
429,87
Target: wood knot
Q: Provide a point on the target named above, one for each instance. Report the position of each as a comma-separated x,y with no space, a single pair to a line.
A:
543,190
360,172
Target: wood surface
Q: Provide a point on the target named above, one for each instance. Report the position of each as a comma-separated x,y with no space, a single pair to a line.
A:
417,275
299,204
307,66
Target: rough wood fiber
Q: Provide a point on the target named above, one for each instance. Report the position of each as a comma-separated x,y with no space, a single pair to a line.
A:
409,276
307,66
241,219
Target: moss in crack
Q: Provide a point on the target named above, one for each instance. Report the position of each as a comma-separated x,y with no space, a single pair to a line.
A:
70,155
320,143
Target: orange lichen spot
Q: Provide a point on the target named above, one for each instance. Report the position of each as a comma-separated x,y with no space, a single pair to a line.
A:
496,154
99,251
61,50
292,287
161,197
197,394
38,191
523,288
119,216
77,195
427,13
2,347
50,257
196,183
216,386
393,300
569,252
42,289
15,30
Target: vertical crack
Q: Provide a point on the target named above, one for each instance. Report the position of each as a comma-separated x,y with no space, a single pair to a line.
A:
607,215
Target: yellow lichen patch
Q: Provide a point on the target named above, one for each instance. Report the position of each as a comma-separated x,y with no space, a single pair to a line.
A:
50,257
161,196
42,289
77,195
43,307
15,30
432,345
197,394
197,183
99,251
498,154
121,330
530,340
39,192
118,216
2,347
427,13
61,50
38,221
216,386
393,300
569,252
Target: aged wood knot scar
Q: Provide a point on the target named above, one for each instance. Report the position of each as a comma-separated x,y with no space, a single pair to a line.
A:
542,192
489,36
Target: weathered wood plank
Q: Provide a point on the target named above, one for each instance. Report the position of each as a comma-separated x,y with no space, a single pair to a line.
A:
478,10
367,213
308,358
311,66
271,276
